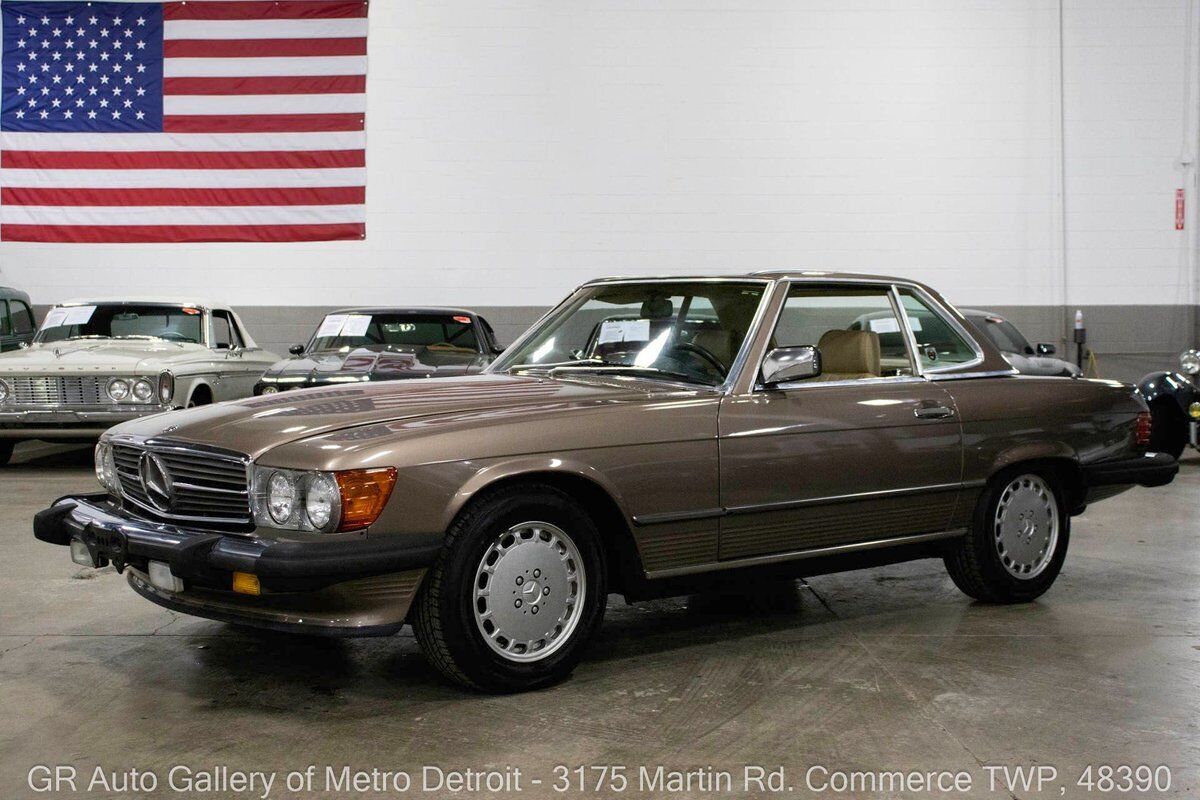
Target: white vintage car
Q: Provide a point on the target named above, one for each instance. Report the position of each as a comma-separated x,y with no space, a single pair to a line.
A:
95,363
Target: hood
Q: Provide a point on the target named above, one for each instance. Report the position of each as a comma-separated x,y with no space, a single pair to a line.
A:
99,356
256,425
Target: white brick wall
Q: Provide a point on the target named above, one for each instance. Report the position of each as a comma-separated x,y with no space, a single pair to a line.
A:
519,148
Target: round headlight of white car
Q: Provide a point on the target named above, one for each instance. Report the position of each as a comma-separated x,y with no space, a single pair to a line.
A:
143,391
118,389
1190,361
281,497
322,500
5,392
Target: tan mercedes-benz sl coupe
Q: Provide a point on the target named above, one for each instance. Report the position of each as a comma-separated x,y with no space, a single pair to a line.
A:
647,437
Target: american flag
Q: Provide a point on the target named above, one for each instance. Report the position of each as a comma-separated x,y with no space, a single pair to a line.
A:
205,120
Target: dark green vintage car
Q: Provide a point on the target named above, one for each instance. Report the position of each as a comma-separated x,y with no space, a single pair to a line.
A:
17,324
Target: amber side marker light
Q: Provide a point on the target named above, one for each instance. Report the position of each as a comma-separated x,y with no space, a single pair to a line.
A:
1141,433
364,494
245,583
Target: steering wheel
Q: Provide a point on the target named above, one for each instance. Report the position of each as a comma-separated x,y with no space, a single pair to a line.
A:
691,348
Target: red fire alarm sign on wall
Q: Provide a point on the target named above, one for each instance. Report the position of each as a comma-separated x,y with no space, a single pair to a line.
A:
1179,209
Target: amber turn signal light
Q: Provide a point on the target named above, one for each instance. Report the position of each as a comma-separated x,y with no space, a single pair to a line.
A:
246,583
364,494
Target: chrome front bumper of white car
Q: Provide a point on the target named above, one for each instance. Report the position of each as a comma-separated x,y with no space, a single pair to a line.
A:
66,423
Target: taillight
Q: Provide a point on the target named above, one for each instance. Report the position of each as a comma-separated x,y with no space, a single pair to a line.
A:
1142,429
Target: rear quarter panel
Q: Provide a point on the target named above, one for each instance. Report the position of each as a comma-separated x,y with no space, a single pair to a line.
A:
1017,418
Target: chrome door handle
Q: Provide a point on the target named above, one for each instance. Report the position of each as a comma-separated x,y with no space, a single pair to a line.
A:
933,412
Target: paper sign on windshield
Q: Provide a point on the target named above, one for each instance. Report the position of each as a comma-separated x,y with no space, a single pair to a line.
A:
54,318
624,330
885,325
68,315
356,325
331,326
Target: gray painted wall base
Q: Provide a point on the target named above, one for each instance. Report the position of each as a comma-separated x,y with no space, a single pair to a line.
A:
1128,341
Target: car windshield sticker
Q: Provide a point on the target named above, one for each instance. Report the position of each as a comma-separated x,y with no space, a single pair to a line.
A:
885,325
68,315
331,326
356,325
624,330
54,318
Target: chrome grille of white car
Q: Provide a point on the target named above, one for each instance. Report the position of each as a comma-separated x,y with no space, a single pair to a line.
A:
207,485
57,391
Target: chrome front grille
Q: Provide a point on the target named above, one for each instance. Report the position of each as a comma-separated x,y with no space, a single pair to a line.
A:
206,485
57,391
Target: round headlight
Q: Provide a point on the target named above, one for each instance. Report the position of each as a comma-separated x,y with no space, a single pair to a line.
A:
5,392
106,467
281,497
322,500
1194,411
1190,361
269,390
118,389
143,391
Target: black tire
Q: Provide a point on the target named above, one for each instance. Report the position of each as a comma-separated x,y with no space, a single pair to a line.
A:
443,615
1169,429
6,451
975,563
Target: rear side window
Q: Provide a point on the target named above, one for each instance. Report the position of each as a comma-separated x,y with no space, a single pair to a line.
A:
225,334
939,344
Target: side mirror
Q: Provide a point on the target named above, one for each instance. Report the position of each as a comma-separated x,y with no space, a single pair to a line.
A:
497,350
1046,349
296,349
786,364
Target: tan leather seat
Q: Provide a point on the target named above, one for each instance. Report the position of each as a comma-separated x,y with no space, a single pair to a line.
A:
849,355
719,343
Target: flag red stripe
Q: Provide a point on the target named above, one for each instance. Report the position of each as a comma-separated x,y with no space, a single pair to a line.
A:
181,233
265,159
262,123
264,9
299,196
251,48
298,84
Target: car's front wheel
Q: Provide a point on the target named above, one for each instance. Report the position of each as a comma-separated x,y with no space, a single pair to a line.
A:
1018,540
517,592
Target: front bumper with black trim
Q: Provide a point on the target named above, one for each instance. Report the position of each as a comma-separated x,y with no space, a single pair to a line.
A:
207,560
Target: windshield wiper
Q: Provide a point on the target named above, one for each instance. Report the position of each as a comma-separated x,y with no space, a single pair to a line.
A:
598,365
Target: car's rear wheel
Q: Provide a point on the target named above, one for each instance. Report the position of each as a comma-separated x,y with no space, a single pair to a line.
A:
517,592
1018,539
6,451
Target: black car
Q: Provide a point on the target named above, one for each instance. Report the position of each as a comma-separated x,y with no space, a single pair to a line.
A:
385,344
1174,400
17,324
1016,349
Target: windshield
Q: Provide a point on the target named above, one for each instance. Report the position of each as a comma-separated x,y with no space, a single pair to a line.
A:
687,331
1003,334
123,321
450,332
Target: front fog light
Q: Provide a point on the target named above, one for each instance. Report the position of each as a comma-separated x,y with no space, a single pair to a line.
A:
322,499
281,498
143,391
80,553
118,389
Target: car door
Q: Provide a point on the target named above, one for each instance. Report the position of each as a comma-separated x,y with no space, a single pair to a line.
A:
869,450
